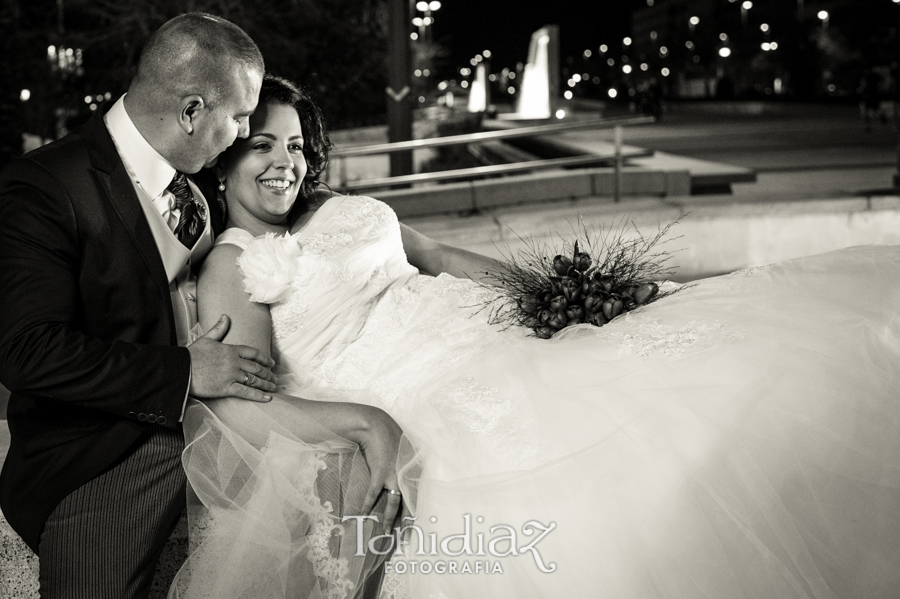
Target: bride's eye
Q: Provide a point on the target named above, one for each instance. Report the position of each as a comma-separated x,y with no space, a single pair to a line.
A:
296,147
261,146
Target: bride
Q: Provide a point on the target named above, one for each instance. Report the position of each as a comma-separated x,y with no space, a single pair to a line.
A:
740,438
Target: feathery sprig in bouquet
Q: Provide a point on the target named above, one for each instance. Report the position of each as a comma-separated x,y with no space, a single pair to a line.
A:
592,280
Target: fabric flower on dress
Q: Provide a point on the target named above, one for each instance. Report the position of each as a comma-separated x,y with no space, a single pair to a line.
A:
269,265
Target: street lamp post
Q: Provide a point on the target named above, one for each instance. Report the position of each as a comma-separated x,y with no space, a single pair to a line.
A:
398,97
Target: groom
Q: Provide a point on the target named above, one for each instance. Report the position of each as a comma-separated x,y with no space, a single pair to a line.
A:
100,236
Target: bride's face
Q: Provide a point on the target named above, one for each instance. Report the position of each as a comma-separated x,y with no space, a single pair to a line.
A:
264,174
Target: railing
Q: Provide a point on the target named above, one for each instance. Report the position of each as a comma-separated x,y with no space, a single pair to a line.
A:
615,158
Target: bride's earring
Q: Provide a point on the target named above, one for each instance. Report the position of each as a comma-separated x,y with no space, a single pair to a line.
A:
221,185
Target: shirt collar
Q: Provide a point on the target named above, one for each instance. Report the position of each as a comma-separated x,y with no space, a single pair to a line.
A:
145,165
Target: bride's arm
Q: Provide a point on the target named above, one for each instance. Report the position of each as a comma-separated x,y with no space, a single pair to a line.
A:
434,257
220,290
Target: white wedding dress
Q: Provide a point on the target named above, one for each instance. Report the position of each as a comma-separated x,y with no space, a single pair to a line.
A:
739,439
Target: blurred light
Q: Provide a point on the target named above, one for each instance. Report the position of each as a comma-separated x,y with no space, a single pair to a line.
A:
724,52
418,22
473,62
773,46
764,27
604,48
610,61
723,36
823,14
486,53
434,5
51,51
417,73
478,58
421,99
612,93
626,68
512,74
626,41
689,45
570,83
99,98
567,94
93,107
696,59
426,72
747,5
511,90
624,58
649,2
595,80
665,72
585,77
427,21
831,86
492,77
560,113
694,20
663,50
107,95
576,78
25,95
644,66
653,35
414,36
464,84
88,99
422,6
442,85
587,53
765,46
465,71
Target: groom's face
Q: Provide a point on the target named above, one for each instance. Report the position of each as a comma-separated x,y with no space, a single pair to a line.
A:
226,120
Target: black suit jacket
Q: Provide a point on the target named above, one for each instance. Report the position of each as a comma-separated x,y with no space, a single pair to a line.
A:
87,334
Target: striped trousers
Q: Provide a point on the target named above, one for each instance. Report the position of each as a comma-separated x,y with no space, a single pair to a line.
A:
103,540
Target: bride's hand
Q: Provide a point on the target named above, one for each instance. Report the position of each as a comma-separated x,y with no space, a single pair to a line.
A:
380,444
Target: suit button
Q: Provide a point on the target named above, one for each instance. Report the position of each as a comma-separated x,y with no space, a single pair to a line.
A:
151,418
132,415
161,420
142,417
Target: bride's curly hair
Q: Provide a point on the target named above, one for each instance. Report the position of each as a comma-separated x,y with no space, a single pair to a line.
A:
315,138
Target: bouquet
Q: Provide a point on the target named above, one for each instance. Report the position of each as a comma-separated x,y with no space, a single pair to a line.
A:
592,280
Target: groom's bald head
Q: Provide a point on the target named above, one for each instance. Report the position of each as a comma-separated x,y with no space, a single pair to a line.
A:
197,83
195,53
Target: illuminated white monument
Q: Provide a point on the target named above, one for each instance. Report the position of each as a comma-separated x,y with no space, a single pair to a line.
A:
540,80
478,95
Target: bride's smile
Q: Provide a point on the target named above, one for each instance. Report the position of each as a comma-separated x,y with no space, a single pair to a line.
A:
262,176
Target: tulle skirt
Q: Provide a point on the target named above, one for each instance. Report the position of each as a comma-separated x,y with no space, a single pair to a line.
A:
739,439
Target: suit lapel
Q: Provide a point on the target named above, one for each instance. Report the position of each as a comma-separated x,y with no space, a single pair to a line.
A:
114,182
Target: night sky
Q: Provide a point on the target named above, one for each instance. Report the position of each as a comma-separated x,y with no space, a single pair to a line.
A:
468,27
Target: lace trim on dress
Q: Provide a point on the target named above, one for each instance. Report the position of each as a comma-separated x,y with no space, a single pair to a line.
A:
651,337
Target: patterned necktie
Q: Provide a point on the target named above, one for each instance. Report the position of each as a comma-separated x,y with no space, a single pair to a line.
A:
191,222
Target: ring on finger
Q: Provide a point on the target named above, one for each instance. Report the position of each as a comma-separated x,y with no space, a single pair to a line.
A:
392,491
246,377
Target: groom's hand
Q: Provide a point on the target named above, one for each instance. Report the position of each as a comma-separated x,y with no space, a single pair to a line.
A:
221,370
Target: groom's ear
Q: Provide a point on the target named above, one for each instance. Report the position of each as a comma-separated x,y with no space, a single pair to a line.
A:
191,109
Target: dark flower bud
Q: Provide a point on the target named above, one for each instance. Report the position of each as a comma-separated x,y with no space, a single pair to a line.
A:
573,312
544,316
558,320
597,319
592,303
645,292
582,261
544,332
612,308
528,304
561,265
559,303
